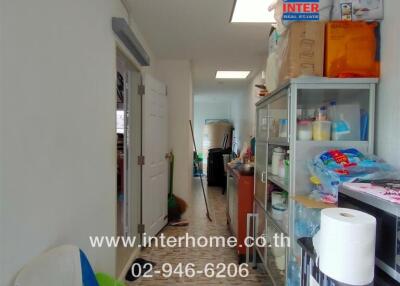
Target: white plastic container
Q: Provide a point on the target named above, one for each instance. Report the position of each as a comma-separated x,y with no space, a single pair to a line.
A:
278,155
351,116
279,205
321,130
282,169
304,130
283,128
278,198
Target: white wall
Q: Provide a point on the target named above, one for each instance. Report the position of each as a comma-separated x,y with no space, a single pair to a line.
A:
57,129
241,121
209,107
244,112
388,102
177,75
252,98
238,108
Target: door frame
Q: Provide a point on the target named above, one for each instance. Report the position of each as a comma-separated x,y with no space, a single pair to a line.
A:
133,171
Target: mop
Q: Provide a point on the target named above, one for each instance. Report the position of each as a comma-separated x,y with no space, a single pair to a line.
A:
201,175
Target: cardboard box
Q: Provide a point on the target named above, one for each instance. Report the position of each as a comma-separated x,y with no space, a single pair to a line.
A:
352,49
312,204
301,50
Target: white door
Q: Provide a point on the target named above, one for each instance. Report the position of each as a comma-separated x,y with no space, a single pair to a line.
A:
155,148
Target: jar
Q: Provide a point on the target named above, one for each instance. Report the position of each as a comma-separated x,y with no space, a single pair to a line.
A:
304,130
278,154
321,130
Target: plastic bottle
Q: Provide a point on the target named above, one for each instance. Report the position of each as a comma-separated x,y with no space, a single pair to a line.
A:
340,128
321,114
332,111
278,155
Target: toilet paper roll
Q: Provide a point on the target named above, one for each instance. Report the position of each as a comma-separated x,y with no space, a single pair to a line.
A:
346,245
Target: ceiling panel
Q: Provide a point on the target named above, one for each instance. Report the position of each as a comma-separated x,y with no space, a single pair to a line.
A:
199,30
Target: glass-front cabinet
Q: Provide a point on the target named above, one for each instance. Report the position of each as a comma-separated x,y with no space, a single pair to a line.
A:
278,118
262,123
260,174
295,123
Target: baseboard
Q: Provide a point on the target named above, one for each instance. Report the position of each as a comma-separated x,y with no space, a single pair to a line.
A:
134,255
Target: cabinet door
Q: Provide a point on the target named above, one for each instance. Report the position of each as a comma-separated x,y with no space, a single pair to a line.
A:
260,231
262,123
278,118
232,203
229,194
276,256
260,174
235,205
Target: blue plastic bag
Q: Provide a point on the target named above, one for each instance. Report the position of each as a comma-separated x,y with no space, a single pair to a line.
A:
334,167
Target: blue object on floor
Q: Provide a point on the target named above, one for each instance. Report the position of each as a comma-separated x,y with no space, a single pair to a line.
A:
88,276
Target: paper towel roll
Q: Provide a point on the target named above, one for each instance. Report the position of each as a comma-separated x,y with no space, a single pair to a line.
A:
346,247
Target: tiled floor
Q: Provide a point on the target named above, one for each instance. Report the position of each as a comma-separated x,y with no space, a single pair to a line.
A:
199,225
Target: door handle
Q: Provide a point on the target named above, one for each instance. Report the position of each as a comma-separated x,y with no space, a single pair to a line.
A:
263,177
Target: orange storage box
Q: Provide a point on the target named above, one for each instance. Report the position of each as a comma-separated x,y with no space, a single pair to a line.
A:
352,49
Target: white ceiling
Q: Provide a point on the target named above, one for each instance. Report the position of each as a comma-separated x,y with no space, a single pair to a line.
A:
199,30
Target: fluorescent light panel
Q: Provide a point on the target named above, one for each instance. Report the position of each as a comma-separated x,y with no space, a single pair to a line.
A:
232,74
252,11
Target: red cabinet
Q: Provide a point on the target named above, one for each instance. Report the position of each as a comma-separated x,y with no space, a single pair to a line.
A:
240,196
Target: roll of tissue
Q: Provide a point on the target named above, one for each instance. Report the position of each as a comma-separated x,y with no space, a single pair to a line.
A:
345,245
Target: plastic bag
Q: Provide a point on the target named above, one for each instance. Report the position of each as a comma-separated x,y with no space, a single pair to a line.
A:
307,221
352,49
338,166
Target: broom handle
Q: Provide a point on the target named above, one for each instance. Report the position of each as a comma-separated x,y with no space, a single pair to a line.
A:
194,142
201,176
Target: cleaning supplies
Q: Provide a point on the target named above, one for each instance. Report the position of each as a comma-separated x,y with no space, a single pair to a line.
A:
340,128
304,130
283,127
364,125
321,127
321,114
346,121
321,130
334,167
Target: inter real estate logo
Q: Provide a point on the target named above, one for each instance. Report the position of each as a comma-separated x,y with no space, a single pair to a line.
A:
301,10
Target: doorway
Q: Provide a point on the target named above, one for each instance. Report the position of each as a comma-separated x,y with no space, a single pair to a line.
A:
128,149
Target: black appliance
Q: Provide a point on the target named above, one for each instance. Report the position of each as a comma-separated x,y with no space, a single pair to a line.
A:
387,214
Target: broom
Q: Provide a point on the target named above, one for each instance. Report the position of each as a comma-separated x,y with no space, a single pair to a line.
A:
201,174
176,205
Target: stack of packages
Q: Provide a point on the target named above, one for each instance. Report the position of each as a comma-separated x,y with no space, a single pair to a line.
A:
345,42
332,168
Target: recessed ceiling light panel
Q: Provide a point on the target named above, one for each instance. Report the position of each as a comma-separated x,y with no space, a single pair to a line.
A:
253,11
232,74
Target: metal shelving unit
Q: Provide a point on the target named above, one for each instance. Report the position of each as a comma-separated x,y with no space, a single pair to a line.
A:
302,93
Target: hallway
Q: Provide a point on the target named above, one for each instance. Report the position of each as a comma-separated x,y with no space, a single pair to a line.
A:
199,226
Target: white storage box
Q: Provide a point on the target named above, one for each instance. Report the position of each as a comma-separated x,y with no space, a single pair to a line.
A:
357,10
